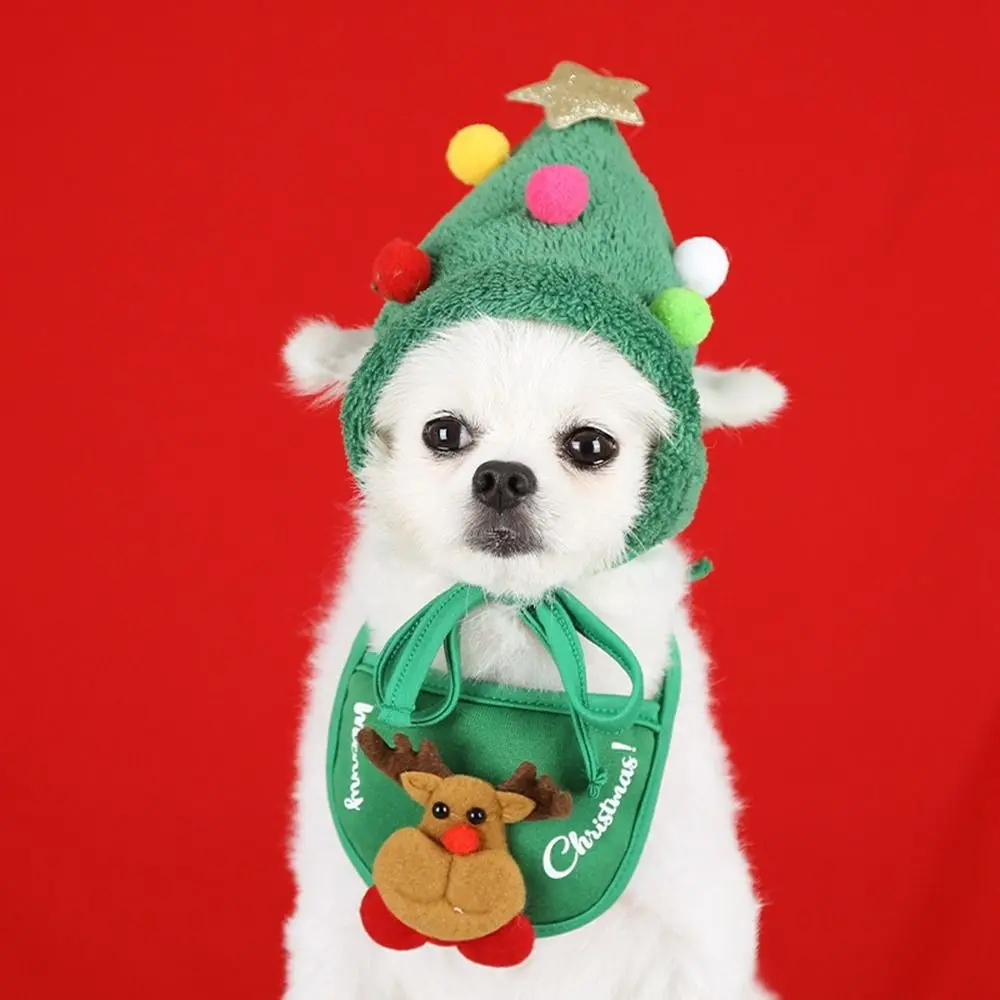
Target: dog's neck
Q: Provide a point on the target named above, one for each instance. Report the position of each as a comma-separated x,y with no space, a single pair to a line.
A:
640,600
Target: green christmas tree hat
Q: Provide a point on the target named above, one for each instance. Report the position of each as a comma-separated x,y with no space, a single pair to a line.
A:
566,229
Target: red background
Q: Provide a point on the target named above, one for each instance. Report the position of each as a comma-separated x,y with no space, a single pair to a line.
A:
182,181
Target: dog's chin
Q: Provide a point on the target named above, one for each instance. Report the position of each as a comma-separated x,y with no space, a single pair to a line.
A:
523,575
513,557
501,543
502,540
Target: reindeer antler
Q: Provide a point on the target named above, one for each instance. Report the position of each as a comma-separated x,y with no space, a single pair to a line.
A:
394,761
551,801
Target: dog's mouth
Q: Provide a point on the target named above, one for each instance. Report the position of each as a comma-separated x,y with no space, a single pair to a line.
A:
503,535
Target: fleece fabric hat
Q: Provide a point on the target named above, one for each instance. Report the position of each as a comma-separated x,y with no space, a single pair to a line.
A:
568,230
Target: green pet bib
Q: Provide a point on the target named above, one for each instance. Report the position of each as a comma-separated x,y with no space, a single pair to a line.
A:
608,751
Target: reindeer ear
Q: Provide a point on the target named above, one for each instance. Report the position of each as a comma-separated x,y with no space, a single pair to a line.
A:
514,807
420,785
736,397
321,357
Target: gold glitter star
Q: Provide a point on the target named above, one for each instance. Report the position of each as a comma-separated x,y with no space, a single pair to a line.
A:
574,93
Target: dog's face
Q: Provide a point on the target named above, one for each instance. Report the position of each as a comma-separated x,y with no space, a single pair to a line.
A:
513,454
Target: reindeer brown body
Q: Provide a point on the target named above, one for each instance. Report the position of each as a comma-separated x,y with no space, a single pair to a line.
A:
452,878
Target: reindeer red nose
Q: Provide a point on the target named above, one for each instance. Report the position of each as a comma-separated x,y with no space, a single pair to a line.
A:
462,839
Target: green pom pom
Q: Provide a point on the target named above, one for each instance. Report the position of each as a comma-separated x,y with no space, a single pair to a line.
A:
685,314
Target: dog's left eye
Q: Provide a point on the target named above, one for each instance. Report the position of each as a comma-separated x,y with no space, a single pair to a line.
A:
588,447
446,434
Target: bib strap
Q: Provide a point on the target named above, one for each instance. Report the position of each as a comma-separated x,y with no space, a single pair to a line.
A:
700,569
407,658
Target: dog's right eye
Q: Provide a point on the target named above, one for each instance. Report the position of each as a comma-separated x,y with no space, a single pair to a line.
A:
445,434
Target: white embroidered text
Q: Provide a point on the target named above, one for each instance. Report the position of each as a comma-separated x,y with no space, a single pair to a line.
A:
361,712
567,849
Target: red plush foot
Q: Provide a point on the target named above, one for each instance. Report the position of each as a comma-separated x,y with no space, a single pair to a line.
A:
510,945
384,928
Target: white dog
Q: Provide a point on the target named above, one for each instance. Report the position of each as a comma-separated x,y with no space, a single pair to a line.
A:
549,399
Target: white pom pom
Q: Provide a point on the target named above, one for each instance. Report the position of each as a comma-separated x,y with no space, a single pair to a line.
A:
702,264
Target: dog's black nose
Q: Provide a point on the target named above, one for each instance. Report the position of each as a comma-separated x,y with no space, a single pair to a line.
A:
503,485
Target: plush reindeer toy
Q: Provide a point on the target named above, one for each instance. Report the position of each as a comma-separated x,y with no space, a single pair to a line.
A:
451,880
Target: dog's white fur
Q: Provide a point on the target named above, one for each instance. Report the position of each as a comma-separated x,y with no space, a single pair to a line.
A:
686,927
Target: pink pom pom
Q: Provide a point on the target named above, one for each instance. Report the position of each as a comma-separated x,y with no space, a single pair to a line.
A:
557,194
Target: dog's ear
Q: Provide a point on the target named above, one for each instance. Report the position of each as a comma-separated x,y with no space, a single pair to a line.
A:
321,357
737,397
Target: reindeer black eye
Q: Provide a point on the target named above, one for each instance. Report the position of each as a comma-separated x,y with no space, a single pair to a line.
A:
440,811
476,815
587,447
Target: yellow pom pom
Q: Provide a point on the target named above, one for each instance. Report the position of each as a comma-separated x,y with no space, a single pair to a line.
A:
475,152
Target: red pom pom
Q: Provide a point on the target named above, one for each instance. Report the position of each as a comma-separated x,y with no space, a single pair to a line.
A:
462,839
510,945
384,928
402,271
